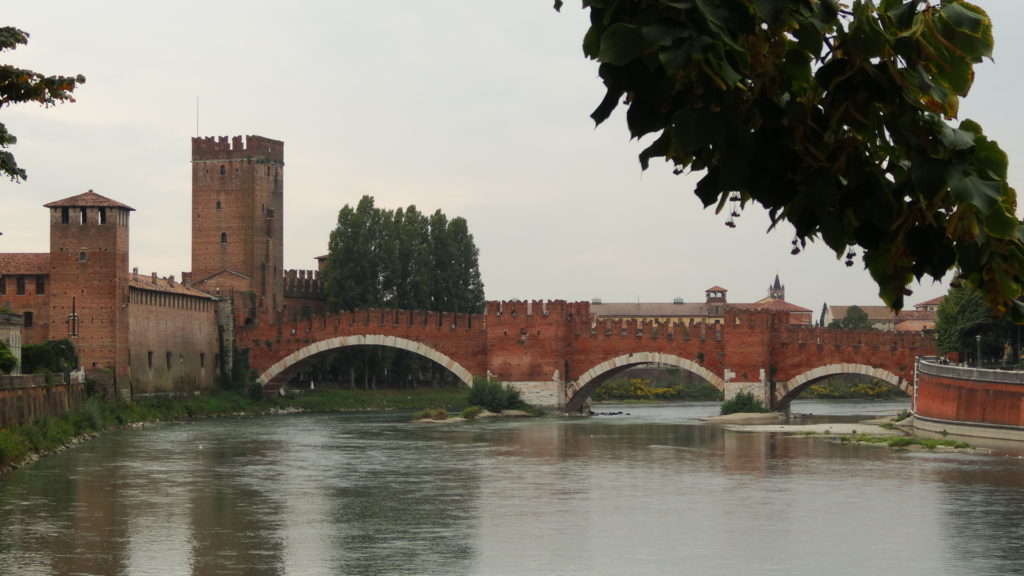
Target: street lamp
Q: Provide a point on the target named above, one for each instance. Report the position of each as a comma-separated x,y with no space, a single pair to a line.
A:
977,340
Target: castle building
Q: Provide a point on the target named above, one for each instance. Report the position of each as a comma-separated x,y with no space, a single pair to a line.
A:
142,334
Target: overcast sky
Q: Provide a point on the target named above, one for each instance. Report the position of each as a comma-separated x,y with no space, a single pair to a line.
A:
475,107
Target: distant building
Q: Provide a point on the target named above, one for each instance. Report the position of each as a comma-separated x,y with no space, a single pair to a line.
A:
922,318
710,311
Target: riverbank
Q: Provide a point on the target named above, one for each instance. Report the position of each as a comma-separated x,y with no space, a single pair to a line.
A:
24,444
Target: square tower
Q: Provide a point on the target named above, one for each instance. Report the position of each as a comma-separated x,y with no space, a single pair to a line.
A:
237,224
89,281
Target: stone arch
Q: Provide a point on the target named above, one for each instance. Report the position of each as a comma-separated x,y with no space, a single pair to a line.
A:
579,391
786,392
283,370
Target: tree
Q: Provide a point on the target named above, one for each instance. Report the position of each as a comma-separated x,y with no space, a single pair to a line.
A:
20,85
856,319
834,119
7,360
962,317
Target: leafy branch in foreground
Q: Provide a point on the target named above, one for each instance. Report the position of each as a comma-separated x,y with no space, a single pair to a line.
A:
834,119
21,85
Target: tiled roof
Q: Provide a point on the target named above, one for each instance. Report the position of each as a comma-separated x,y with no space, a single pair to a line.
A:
24,264
648,309
716,289
89,199
158,284
933,302
770,304
913,326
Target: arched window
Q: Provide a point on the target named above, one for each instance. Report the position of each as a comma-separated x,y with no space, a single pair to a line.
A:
218,204
223,237
82,256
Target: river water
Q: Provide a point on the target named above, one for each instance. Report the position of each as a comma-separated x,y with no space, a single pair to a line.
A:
648,492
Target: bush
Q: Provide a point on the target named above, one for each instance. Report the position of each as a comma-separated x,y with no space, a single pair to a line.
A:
431,414
494,396
742,402
471,412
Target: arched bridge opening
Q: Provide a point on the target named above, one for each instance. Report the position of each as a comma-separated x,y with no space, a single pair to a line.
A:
579,391
786,392
292,365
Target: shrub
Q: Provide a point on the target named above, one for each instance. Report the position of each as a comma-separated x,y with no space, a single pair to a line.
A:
471,412
742,402
494,396
431,414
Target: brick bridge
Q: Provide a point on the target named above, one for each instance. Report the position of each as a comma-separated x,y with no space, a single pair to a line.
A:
556,353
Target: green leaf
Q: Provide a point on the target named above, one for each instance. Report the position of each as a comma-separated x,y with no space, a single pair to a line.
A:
955,138
968,188
1002,225
621,44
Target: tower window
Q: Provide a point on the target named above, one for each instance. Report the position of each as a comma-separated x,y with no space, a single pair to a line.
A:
3,285
28,319
82,215
223,237
40,285
149,359
202,359
65,216
82,256
20,284
222,170
103,215
218,204
168,360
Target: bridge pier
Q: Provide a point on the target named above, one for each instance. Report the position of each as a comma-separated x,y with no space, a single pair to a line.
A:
548,395
759,390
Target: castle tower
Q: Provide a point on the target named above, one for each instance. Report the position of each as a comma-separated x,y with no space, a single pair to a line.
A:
237,225
89,281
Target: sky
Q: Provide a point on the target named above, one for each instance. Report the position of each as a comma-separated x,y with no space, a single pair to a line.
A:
478,108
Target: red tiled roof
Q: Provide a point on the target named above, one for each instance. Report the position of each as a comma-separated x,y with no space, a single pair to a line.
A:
933,302
25,264
143,282
770,304
716,289
914,326
90,199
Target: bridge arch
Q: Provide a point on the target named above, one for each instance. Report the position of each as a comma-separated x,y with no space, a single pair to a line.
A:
786,392
283,370
578,392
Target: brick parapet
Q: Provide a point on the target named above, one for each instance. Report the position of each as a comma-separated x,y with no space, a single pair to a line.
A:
304,284
969,396
237,148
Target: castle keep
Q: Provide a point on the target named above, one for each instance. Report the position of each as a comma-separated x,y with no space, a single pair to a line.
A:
145,333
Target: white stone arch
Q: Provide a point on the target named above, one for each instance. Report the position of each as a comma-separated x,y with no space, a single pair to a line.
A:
788,388
283,369
620,363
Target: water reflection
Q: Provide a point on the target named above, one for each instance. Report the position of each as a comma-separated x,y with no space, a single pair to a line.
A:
648,493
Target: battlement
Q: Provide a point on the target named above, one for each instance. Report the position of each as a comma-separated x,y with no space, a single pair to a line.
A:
237,148
510,309
304,284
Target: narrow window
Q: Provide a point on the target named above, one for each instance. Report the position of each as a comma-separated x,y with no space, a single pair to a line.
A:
40,285
218,204
82,256
103,215
222,171
202,359
149,359
168,360
20,282
3,285
27,317
65,216
82,219
223,237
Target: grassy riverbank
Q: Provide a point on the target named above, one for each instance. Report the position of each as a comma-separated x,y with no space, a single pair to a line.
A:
50,434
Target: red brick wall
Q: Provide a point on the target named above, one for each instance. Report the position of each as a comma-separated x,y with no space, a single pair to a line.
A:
184,327
971,396
24,399
30,301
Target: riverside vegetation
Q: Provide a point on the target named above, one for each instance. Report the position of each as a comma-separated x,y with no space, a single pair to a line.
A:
96,415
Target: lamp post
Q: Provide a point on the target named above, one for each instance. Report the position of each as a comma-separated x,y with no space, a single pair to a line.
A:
977,340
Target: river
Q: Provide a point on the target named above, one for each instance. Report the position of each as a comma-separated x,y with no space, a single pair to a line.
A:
649,492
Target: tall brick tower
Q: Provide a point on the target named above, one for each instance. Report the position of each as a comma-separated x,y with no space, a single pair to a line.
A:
89,281
237,225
